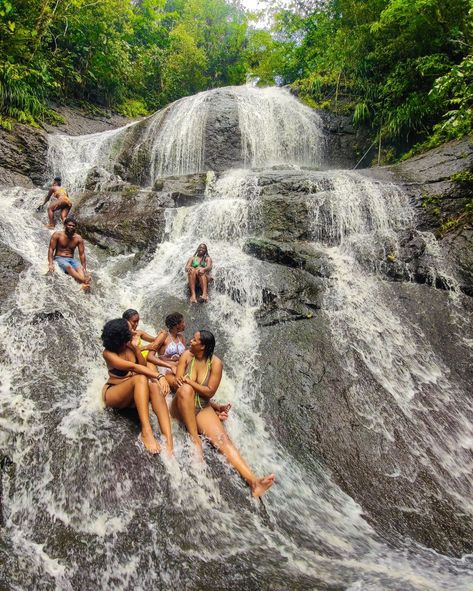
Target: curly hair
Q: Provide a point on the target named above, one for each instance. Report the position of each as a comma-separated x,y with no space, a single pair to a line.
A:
115,334
208,340
130,313
173,320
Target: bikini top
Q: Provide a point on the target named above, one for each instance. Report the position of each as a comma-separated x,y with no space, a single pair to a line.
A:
174,349
196,263
190,368
119,373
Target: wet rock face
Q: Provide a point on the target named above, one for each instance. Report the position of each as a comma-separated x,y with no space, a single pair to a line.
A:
23,156
440,201
122,218
222,133
312,401
11,265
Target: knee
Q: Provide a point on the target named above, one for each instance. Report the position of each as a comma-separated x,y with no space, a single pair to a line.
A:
185,393
139,378
222,440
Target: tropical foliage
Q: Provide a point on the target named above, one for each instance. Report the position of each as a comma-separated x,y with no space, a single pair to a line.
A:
402,67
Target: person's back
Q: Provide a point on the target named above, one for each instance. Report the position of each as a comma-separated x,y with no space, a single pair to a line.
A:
59,200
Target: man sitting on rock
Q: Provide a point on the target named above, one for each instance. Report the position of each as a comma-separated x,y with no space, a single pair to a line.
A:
59,200
61,251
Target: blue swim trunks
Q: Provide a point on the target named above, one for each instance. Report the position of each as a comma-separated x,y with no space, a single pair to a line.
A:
65,262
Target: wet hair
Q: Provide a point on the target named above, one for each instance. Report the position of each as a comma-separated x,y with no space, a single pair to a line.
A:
69,219
130,313
173,319
208,340
58,180
115,334
206,250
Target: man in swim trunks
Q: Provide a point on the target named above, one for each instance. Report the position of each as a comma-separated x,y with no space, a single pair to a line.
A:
61,251
59,200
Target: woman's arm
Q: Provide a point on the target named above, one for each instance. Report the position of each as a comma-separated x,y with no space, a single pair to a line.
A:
116,361
209,265
153,358
188,264
181,364
214,380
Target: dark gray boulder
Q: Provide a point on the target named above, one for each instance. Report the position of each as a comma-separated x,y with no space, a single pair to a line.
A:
23,156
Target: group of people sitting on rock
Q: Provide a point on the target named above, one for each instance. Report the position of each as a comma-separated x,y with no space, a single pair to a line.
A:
62,246
143,369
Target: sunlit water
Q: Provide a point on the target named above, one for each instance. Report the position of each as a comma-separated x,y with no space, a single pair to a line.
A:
85,509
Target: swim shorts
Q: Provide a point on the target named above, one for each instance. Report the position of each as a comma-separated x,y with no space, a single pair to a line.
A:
66,262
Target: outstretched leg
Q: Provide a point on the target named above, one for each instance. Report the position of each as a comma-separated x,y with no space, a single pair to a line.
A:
182,407
210,425
160,408
134,389
78,274
192,279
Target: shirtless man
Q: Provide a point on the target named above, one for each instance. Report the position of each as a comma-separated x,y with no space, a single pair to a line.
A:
59,200
61,251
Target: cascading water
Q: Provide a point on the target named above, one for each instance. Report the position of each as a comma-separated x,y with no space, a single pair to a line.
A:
86,509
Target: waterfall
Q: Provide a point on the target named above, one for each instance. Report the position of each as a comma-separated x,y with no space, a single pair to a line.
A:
86,509
275,129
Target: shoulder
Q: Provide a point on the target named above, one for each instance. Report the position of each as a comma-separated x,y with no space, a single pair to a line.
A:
186,355
216,362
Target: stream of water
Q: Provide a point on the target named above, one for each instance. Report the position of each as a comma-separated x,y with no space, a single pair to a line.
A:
84,508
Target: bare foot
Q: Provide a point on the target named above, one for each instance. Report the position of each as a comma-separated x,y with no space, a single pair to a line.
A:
51,226
149,442
193,300
85,287
204,298
262,485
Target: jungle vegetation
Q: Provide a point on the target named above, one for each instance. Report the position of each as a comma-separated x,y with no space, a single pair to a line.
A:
401,68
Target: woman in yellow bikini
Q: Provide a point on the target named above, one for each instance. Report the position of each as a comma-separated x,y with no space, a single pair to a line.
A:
131,382
199,373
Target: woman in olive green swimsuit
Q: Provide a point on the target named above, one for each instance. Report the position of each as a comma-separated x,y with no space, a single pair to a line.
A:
198,268
198,374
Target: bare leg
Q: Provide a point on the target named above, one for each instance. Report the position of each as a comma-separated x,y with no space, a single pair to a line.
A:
210,425
65,212
182,407
192,278
134,389
78,275
51,209
160,408
204,282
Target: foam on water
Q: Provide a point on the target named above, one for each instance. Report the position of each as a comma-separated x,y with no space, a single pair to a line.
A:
87,510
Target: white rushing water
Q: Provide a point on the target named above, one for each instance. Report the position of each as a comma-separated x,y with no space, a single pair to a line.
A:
85,509
275,129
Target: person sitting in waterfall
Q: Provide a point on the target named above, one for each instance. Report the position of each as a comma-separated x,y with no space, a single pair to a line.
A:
151,343
132,383
168,354
61,251
59,201
198,269
199,373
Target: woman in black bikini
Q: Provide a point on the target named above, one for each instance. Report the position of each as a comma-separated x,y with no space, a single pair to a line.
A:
199,373
131,381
